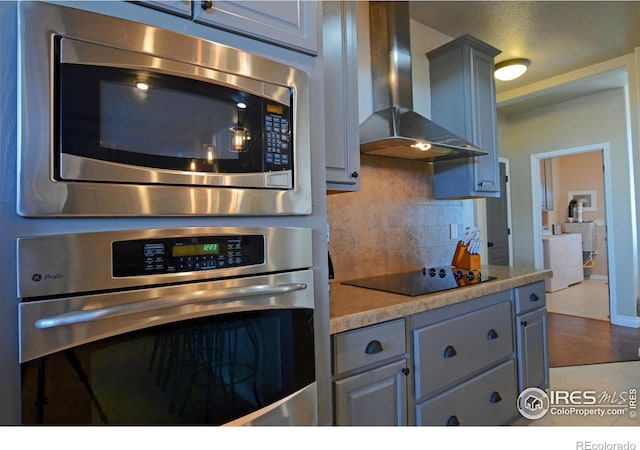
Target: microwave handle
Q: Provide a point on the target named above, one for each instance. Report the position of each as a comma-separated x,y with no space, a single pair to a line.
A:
109,312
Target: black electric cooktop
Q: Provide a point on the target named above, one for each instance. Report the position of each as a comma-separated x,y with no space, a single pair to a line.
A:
421,282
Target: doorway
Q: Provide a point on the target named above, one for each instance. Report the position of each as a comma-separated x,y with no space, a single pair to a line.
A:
498,217
562,176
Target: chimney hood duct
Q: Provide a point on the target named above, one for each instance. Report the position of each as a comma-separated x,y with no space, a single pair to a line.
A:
395,130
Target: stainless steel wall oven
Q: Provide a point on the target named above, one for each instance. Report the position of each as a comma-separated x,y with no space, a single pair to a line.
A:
119,118
168,326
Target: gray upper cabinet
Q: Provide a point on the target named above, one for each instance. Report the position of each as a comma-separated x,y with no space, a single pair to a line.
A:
339,53
463,100
177,7
291,24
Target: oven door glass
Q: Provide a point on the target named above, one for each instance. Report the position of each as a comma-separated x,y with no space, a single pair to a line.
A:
202,371
135,124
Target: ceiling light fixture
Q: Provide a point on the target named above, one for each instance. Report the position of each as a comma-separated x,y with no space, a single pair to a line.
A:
511,69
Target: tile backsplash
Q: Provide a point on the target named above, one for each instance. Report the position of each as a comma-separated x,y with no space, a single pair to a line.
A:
393,223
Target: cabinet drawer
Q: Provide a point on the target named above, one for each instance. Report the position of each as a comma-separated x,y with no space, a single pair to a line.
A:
453,349
488,399
530,297
365,346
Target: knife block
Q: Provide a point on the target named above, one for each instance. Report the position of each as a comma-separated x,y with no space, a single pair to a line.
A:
463,259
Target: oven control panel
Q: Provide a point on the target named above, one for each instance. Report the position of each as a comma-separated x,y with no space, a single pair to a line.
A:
169,255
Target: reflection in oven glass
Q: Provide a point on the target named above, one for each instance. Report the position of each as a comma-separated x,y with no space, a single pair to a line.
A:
203,371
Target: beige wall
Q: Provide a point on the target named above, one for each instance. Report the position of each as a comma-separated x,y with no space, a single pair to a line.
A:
585,122
392,224
583,172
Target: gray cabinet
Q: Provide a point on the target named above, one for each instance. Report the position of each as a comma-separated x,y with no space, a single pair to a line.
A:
339,54
374,397
464,367
531,336
442,357
463,101
290,24
370,375
461,364
487,399
177,7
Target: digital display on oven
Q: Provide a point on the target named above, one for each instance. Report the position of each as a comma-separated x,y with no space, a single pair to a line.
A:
172,255
195,250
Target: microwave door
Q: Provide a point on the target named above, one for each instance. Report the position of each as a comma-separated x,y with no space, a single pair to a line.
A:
172,124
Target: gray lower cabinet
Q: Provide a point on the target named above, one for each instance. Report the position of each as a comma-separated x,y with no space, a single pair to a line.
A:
451,350
531,336
464,367
374,397
370,375
462,364
488,399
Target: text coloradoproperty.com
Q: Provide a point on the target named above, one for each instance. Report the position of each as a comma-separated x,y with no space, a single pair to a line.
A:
587,411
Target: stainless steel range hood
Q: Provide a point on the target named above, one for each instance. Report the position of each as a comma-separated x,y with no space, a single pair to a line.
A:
395,130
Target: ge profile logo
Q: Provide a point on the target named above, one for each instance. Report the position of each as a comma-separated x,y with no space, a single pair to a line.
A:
47,277
533,403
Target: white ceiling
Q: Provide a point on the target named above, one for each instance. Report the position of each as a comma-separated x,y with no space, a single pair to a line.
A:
557,36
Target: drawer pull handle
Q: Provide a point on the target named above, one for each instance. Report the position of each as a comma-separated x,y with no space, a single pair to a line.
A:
373,347
495,397
449,352
534,297
453,421
406,371
492,334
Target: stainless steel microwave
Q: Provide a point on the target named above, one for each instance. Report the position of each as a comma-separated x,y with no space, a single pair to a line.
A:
119,118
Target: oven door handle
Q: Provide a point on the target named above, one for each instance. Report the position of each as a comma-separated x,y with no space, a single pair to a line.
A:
203,296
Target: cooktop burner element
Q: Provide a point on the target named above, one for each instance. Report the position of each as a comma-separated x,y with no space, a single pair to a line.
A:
420,282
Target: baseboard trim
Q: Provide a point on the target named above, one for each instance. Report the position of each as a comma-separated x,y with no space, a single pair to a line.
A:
626,321
598,277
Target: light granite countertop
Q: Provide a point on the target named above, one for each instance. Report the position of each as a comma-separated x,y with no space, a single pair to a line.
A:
353,307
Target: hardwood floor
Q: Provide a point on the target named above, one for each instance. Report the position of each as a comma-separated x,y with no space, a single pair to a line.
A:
577,341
